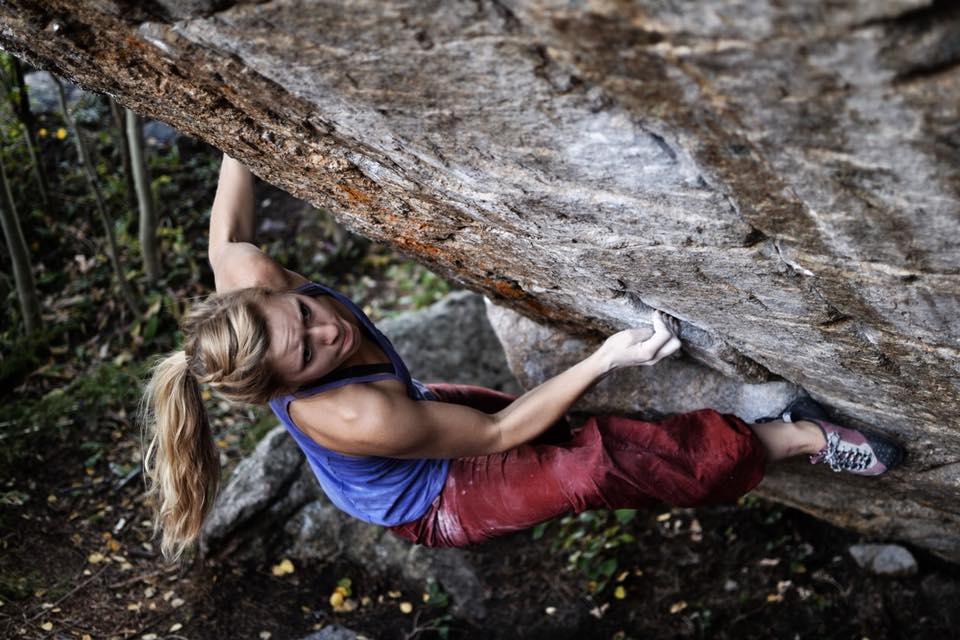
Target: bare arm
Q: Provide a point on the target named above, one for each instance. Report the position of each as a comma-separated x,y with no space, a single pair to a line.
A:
394,426
236,261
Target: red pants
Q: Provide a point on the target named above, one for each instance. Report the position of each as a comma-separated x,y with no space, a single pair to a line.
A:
610,462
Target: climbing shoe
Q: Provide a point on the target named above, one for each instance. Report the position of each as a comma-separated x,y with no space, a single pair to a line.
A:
854,451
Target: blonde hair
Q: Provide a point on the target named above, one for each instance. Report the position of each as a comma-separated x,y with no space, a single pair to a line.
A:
225,343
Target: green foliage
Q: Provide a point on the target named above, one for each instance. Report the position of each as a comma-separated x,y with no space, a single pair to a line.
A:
591,540
438,601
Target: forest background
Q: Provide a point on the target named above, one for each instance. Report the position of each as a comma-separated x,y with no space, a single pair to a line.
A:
96,272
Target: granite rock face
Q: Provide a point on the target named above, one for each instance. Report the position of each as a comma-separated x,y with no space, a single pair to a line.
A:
783,177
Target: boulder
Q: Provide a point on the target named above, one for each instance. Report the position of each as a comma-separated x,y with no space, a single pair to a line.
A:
884,559
451,341
782,177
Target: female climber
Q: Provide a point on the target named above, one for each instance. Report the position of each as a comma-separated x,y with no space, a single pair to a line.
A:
439,464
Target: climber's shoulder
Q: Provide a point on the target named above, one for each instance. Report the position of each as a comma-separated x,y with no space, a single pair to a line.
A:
238,265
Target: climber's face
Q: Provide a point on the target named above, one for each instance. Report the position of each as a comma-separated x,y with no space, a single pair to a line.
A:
309,336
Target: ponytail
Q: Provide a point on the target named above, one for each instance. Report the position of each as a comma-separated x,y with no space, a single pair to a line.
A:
181,463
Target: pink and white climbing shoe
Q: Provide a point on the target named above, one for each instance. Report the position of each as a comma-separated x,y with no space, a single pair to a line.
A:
855,451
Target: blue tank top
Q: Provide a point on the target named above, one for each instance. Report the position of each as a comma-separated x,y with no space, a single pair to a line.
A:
386,491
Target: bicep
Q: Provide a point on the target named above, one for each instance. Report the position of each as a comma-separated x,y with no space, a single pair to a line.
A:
395,426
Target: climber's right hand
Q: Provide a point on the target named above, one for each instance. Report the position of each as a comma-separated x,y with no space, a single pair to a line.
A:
640,347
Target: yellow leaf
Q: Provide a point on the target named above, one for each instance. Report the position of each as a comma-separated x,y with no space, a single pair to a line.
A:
42,132
205,394
283,568
336,599
620,593
94,558
51,498
774,597
61,133
677,607
47,626
406,607
113,545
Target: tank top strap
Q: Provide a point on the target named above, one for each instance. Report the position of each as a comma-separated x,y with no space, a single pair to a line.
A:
363,373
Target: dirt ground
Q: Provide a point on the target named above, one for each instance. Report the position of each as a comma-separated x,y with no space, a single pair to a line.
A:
77,560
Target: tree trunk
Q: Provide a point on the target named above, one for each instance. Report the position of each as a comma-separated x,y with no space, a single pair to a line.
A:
29,131
141,179
20,257
123,145
87,163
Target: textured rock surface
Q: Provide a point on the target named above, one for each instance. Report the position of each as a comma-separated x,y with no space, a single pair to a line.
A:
784,177
676,385
451,341
884,559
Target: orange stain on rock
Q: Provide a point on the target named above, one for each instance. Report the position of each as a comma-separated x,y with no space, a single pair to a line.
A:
354,194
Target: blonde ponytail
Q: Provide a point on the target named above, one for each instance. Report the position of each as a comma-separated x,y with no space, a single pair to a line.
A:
181,463
225,345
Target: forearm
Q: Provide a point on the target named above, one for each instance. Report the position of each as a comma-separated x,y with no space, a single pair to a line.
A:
231,218
532,413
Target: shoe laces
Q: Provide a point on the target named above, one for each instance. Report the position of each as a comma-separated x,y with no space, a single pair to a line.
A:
842,456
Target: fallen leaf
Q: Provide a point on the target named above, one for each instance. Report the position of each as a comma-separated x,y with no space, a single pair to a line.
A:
663,517
47,626
597,612
769,562
620,593
177,602
550,611
393,594
94,558
265,635
406,607
677,607
176,627
774,597
283,568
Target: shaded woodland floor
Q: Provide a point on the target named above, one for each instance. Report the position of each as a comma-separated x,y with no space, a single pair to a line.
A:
77,561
